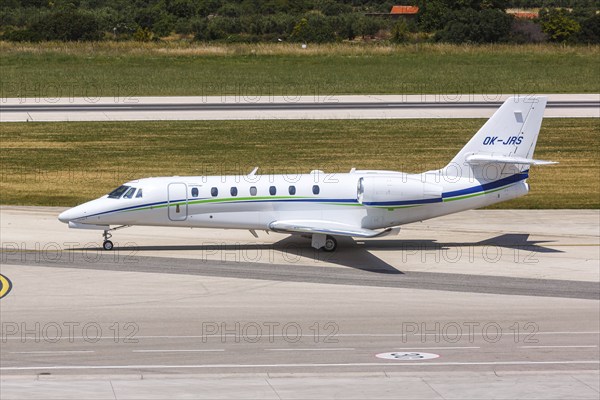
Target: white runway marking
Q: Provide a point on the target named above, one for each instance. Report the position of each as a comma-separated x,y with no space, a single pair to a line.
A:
439,348
324,349
52,352
554,347
228,366
176,351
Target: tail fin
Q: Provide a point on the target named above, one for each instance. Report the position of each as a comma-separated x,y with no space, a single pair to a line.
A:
506,140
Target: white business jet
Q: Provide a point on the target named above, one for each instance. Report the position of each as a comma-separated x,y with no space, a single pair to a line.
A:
492,167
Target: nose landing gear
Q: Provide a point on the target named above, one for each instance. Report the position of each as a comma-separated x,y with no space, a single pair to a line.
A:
107,244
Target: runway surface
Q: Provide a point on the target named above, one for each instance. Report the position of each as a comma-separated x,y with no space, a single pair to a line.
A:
358,276
281,107
223,314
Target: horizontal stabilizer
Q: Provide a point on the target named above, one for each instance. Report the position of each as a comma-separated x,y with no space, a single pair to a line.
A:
490,158
325,227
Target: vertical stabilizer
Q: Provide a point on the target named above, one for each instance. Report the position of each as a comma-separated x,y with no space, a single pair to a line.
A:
510,134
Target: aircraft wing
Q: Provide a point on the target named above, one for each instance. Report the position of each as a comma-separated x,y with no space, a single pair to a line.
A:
325,227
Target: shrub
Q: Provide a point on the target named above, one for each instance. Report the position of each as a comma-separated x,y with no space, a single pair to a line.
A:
400,32
143,35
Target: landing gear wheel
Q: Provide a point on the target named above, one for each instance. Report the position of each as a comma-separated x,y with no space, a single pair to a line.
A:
330,244
107,245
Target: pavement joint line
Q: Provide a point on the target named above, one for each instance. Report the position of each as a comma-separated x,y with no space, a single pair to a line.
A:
312,365
310,335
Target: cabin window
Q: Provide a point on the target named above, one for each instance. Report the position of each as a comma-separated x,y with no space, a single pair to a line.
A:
233,191
292,190
316,189
214,192
195,192
118,192
253,190
139,194
129,193
273,190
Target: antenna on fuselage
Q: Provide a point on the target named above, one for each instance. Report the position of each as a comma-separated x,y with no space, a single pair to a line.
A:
253,173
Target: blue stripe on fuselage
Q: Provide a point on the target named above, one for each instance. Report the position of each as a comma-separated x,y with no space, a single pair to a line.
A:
488,186
474,189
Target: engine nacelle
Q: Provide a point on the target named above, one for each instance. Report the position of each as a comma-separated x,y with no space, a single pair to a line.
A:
389,190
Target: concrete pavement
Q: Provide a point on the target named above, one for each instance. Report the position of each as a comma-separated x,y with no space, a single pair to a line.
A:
141,327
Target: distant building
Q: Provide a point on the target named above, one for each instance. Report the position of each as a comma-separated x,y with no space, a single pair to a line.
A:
397,12
523,14
404,10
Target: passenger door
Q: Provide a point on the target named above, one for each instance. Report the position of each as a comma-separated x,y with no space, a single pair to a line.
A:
177,201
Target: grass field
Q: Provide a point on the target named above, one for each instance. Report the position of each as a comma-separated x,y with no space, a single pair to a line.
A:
68,163
50,70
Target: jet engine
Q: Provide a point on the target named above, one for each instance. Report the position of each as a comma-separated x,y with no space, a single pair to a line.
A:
388,190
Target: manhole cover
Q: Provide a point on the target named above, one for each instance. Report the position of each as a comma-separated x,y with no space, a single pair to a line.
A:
407,356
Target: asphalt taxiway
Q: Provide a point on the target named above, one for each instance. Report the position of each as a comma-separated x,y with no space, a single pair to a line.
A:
243,106
505,301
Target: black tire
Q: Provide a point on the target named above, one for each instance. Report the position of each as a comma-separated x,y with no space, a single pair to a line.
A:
330,244
107,245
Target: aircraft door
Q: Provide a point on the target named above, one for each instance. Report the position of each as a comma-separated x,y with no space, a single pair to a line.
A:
177,201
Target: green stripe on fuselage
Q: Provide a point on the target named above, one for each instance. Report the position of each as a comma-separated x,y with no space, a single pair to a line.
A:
276,198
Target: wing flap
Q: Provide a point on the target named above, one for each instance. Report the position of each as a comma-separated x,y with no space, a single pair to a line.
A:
325,227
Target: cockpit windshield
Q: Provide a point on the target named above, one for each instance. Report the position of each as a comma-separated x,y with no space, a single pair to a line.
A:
118,192
129,193
125,192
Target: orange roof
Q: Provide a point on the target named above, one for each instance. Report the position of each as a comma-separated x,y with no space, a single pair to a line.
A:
404,10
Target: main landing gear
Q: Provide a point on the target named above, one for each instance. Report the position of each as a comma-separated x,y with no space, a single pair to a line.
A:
107,244
330,244
325,242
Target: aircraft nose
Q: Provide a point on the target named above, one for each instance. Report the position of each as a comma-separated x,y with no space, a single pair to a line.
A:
68,215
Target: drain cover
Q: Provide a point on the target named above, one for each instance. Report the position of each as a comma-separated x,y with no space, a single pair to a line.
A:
407,356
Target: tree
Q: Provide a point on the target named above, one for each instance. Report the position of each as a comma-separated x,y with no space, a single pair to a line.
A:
67,25
469,25
344,26
314,27
557,24
181,8
433,15
367,26
590,30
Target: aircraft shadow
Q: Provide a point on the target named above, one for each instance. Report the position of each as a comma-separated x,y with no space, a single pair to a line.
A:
351,253
516,241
